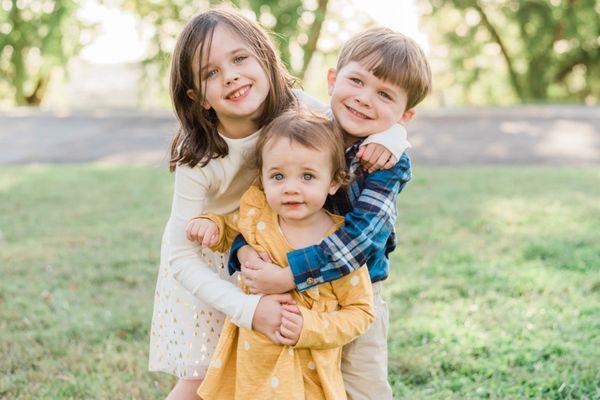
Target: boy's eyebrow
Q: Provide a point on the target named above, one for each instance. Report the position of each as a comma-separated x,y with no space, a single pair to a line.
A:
383,83
232,52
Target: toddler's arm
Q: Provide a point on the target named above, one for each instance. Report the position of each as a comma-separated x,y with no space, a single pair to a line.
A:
366,229
326,330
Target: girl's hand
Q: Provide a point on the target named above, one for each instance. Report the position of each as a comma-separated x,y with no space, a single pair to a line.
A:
202,230
267,316
267,278
291,325
375,156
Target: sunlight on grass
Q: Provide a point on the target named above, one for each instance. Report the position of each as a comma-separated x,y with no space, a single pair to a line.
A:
494,290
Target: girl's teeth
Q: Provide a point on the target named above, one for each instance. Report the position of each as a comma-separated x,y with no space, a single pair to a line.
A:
239,93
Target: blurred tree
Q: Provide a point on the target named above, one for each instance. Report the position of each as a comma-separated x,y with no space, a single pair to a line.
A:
36,36
550,49
296,25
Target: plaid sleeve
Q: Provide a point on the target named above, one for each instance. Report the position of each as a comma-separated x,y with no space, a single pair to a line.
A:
363,233
233,264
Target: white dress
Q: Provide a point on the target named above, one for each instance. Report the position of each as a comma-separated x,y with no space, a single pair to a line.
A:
194,290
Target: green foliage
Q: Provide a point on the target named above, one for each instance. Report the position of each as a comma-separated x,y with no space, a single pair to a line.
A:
294,23
36,37
494,290
544,50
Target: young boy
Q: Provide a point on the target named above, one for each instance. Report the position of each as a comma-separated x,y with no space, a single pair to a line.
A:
381,76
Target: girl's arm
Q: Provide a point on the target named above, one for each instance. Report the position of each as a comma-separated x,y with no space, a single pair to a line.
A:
326,330
187,266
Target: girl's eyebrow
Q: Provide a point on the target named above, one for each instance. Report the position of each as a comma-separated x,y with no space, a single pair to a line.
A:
228,54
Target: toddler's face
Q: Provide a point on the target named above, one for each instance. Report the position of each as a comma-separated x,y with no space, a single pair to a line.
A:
296,179
362,103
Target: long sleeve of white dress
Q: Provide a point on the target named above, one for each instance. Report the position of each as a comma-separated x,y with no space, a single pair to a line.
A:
187,266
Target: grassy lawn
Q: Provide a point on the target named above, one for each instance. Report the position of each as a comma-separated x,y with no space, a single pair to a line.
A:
495,287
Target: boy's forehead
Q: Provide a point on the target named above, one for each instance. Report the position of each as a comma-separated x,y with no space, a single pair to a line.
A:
368,67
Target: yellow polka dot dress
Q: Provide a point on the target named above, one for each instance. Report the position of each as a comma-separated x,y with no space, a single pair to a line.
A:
246,365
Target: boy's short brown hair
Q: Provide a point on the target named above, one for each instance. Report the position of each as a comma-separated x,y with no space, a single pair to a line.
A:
393,57
310,130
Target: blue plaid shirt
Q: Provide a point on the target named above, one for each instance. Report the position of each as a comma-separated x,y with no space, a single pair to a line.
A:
367,237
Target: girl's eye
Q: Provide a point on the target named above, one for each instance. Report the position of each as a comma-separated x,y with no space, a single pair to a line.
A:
211,73
308,177
239,59
356,80
277,177
385,95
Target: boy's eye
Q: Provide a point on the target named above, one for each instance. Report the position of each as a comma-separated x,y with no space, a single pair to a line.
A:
356,80
277,177
307,177
239,59
385,95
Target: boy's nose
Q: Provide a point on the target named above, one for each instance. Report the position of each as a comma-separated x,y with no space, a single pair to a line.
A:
363,99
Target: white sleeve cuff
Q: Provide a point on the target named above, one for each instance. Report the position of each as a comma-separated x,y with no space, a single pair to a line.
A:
394,139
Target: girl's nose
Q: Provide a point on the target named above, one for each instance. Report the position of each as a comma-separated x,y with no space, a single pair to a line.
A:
231,78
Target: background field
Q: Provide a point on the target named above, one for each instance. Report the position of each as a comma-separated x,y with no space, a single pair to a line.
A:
495,288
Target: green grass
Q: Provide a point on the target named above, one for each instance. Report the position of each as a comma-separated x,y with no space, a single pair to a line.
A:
494,290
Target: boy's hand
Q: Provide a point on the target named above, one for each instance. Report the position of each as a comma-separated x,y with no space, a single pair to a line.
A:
268,315
291,325
247,253
267,278
375,156
202,230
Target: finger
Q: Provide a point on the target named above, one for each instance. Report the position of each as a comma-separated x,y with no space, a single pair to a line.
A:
381,161
360,151
376,154
207,234
291,318
283,340
391,162
265,256
286,332
251,265
366,154
291,309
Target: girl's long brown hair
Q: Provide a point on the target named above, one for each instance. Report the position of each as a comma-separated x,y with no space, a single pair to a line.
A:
197,140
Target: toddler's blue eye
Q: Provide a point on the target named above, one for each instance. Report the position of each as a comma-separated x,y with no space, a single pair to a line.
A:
277,177
308,177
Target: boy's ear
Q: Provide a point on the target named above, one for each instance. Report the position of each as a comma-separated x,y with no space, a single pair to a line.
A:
331,76
407,116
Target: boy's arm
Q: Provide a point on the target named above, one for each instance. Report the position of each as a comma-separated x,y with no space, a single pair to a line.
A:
350,246
394,139
326,330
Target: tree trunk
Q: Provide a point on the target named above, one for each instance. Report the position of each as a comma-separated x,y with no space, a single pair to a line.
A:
313,36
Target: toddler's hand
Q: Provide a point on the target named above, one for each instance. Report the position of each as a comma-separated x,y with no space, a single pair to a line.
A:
291,325
202,230
247,253
267,278
375,156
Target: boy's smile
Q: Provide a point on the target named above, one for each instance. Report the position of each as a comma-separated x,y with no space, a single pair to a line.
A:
362,103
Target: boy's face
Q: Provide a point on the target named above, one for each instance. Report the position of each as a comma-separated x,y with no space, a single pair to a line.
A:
364,104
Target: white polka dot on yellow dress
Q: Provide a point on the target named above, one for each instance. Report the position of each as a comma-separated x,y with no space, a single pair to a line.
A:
354,280
246,345
325,323
251,211
261,226
310,365
217,363
274,382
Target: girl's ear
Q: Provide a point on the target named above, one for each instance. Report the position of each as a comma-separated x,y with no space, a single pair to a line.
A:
192,95
331,76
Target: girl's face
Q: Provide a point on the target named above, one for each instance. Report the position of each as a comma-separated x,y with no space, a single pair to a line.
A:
234,82
296,179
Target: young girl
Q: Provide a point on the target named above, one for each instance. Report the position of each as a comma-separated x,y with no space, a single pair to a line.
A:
226,83
300,157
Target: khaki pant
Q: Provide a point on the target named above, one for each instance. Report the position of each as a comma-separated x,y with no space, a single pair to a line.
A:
365,360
